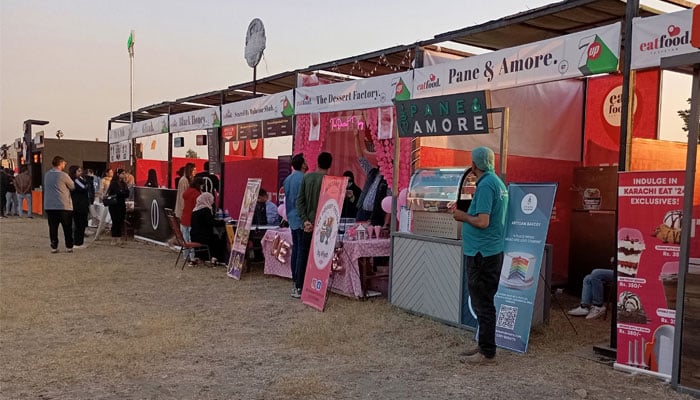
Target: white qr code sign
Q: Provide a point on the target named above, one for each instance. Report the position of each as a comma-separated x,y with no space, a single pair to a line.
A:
507,316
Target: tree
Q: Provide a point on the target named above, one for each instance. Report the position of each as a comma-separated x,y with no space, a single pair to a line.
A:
191,154
685,116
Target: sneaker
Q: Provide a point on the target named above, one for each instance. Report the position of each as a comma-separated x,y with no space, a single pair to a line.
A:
54,251
69,250
596,312
80,246
477,358
579,311
296,293
470,352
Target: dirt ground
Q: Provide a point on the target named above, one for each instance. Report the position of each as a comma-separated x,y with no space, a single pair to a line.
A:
114,322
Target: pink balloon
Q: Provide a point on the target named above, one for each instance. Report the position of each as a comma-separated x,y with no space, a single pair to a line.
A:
282,211
402,198
386,204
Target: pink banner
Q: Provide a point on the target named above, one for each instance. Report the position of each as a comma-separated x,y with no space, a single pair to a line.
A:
648,245
318,268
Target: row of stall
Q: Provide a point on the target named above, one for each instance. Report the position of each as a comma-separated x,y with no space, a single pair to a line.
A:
551,108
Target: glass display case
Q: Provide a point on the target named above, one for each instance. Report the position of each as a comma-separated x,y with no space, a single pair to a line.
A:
432,192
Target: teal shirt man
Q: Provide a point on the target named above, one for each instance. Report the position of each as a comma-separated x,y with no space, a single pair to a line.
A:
483,231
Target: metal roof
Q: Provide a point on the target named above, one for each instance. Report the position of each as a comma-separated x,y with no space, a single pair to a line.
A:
541,23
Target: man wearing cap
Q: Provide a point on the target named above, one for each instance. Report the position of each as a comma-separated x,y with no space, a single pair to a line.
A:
483,232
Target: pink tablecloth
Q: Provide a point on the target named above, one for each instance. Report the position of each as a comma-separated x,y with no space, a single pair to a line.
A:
346,282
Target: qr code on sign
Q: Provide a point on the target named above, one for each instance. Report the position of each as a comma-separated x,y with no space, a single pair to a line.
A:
506,317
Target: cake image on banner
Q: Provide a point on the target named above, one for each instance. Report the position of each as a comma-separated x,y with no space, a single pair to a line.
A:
669,231
630,245
630,309
518,270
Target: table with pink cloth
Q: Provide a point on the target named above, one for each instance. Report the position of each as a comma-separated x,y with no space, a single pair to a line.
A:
347,281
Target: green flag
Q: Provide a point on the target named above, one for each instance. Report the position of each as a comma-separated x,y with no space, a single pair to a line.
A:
130,43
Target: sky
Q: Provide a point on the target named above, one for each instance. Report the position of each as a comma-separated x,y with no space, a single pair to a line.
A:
66,61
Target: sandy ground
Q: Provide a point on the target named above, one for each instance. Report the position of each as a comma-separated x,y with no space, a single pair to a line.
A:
113,322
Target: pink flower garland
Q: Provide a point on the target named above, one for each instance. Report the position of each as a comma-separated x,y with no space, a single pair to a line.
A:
384,149
311,150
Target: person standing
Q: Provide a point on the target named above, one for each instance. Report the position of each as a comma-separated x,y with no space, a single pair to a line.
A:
190,200
182,185
58,205
307,202
483,231
23,185
11,195
81,205
211,181
3,191
291,185
376,188
118,188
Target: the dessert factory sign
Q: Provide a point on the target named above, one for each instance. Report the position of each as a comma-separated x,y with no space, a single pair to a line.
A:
648,249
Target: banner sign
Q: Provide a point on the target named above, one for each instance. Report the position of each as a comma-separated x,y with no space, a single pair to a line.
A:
278,127
259,109
150,204
648,249
229,133
118,134
579,54
149,127
213,151
456,114
373,92
318,268
245,220
660,36
250,130
120,151
196,120
529,211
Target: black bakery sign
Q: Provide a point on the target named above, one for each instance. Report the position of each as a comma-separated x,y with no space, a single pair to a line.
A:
456,114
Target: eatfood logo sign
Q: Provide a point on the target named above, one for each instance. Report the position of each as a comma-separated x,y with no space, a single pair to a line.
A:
458,114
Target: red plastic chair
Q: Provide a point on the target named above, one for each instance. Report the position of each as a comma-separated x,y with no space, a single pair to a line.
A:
184,245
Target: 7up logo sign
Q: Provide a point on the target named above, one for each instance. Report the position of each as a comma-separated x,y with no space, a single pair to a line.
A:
596,57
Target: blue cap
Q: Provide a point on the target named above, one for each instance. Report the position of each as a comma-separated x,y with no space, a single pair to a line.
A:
483,158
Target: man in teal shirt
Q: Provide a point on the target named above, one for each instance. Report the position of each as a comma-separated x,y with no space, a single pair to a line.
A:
483,232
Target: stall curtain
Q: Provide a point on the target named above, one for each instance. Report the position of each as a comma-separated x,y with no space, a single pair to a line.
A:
311,150
384,149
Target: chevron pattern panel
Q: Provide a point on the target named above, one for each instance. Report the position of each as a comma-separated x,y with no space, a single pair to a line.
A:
426,278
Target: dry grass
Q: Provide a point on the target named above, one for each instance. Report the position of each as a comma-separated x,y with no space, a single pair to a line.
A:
116,323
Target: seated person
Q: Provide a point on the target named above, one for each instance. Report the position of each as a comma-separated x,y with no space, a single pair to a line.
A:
352,193
202,228
265,210
592,294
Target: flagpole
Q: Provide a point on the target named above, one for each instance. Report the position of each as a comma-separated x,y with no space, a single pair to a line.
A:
130,46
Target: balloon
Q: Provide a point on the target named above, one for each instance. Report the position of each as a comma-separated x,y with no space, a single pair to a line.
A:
386,204
282,211
402,198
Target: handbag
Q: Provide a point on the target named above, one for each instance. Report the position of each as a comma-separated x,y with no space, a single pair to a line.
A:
110,200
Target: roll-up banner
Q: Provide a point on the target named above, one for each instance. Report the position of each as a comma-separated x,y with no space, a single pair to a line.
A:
358,94
318,268
150,127
119,134
584,53
660,36
196,120
529,211
245,221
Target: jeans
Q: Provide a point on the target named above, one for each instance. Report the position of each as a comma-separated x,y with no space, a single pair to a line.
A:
188,253
65,219
482,278
20,198
303,257
11,201
592,293
297,238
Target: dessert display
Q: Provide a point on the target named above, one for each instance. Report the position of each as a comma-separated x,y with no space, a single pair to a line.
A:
669,231
630,309
630,245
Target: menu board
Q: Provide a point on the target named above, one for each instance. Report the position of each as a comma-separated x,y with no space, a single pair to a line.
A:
251,130
277,127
